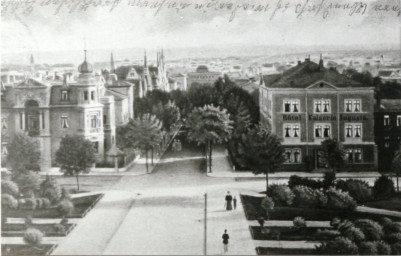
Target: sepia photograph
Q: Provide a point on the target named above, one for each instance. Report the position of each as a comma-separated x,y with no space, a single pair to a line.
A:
200,127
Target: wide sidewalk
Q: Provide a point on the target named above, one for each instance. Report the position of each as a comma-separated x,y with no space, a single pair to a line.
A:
222,169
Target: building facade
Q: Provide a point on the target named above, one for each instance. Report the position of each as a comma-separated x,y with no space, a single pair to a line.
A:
388,131
48,110
308,104
202,76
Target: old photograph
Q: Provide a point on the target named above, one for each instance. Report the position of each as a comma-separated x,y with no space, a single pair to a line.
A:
200,127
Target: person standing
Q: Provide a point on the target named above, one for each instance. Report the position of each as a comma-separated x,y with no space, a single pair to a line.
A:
235,202
225,241
228,204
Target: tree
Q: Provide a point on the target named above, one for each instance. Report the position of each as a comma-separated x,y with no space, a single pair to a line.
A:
169,114
209,125
75,155
396,166
23,154
28,183
143,132
333,154
261,151
267,204
200,96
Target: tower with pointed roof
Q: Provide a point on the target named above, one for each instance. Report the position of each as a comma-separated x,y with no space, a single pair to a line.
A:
112,67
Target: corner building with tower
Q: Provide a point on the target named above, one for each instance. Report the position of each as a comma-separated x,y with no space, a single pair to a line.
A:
309,103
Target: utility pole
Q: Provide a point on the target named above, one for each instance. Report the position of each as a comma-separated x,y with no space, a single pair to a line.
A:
205,228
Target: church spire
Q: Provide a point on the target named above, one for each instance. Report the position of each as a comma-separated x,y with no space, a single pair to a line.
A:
32,61
112,67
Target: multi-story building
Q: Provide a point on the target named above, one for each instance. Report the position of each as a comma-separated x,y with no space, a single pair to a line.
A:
202,76
50,109
307,104
388,131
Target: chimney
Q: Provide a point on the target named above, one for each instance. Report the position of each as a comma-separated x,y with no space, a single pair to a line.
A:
321,66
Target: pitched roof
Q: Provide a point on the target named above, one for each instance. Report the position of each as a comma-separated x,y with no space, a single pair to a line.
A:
306,74
31,82
390,105
117,95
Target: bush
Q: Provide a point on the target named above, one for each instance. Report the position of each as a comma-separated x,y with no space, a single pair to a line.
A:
306,197
9,187
385,220
33,237
299,181
64,221
328,179
357,189
65,194
281,195
354,234
28,183
51,190
45,202
382,248
371,229
299,222
28,221
367,248
29,203
328,233
65,207
335,222
384,187
8,202
59,228
39,203
396,249
267,204
338,246
339,200
393,238
393,227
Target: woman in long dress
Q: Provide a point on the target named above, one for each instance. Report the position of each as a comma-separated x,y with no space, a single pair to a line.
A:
229,199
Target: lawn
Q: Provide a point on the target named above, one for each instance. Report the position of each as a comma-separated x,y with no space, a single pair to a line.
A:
22,249
289,234
81,207
393,204
285,251
17,230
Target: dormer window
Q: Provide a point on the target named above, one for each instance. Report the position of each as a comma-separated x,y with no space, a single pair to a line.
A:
64,95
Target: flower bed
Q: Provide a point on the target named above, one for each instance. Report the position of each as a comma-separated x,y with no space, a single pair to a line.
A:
18,230
288,233
285,251
22,249
253,211
82,206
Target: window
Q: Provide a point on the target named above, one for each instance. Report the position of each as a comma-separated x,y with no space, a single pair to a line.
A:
4,124
326,106
354,155
4,150
292,155
318,106
64,122
291,131
353,130
64,95
322,130
92,95
386,120
85,95
291,106
93,120
399,120
96,147
353,105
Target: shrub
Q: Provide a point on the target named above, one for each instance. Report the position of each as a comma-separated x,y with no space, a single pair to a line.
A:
393,238
384,187
382,248
53,194
64,221
396,249
33,237
281,195
328,233
39,203
65,207
45,202
267,204
371,229
28,183
338,246
30,204
299,222
339,200
335,222
65,194
28,221
354,234
59,228
8,202
393,227
385,220
328,179
367,248
9,187
357,189
308,198
296,181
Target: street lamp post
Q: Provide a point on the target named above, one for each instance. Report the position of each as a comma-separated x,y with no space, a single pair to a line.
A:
205,228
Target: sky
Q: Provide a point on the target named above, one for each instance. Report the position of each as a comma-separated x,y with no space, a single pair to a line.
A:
30,28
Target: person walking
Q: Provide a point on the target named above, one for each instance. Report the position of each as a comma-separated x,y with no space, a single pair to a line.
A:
228,204
235,202
225,241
